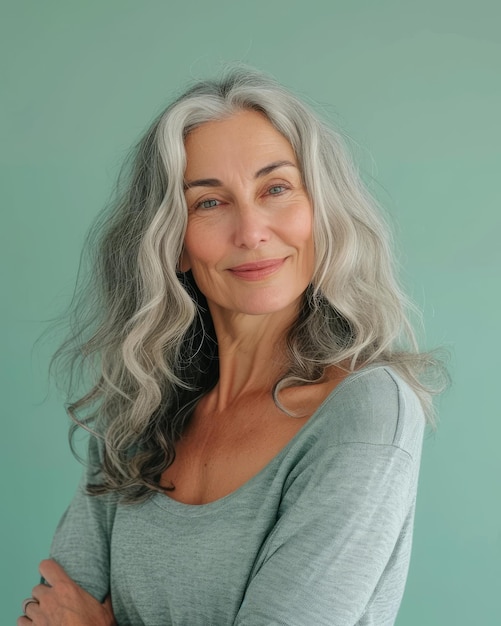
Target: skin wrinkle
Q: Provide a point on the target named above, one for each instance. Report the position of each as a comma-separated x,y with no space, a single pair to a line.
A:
214,182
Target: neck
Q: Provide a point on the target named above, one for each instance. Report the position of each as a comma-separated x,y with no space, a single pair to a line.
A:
252,354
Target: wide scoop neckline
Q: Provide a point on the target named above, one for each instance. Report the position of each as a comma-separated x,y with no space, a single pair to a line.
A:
164,501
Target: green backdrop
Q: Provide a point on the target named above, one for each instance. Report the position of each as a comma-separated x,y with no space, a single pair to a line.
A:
417,87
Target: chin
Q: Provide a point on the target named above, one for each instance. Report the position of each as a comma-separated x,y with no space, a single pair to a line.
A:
270,305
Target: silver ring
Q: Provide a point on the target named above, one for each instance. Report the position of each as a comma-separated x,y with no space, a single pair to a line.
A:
26,602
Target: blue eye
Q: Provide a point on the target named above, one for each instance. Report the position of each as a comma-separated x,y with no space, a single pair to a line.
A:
276,189
207,204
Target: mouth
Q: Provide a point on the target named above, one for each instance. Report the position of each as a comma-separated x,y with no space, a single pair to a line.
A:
258,269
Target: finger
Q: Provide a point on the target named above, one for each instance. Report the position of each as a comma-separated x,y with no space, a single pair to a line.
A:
39,591
31,601
52,572
31,609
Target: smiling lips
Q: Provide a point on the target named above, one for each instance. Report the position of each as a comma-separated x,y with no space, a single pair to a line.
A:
257,270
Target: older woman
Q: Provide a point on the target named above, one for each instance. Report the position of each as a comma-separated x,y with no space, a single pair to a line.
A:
257,408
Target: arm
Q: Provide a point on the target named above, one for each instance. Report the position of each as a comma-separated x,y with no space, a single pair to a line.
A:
341,524
61,602
81,543
339,552
76,579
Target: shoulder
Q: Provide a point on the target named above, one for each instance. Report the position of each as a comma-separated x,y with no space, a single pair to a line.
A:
373,406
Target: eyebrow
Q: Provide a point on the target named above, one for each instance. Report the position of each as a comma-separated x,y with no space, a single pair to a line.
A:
215,182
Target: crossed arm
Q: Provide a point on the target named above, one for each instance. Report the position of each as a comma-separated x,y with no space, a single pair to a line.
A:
61,602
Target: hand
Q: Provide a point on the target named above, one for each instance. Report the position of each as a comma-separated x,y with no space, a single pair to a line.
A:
63,603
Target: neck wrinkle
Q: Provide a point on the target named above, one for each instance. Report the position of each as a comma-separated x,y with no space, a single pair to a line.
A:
252,353
249,365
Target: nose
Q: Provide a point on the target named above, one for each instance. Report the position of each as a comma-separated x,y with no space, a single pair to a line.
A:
251,227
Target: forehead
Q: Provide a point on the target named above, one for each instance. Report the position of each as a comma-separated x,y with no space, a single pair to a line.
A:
247,138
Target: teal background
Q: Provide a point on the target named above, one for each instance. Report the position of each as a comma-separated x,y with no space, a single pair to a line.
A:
415,84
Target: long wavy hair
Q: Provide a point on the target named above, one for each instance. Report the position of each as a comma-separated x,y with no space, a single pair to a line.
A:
141,332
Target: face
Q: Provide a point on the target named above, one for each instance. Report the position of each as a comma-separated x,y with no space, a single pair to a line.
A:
249,237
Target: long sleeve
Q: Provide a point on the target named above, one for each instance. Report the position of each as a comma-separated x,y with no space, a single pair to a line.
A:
81,543
342,539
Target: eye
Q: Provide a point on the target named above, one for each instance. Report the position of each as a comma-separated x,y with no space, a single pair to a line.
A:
207,204
276,189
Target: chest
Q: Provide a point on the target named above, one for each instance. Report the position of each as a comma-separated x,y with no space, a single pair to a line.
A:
173,564
222,450
219,453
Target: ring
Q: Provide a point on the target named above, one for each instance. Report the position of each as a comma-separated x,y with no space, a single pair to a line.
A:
26,602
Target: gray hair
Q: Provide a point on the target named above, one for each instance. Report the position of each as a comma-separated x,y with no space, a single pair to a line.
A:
148,342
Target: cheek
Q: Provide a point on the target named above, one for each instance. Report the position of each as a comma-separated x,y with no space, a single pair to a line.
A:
190,250
200,248
299,227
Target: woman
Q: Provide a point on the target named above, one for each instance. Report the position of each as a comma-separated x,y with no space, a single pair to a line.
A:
258,402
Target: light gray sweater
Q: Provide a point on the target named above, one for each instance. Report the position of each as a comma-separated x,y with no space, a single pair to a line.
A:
321,536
